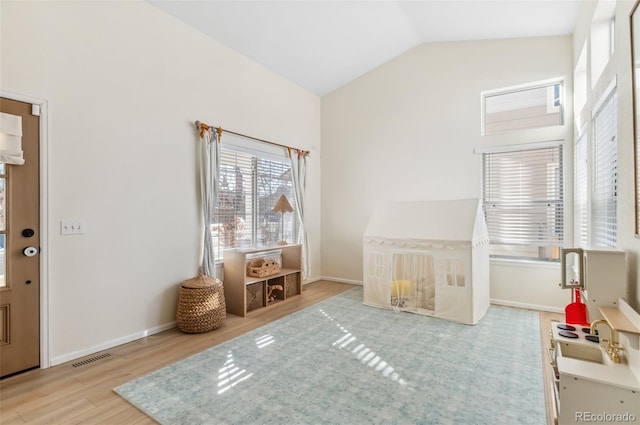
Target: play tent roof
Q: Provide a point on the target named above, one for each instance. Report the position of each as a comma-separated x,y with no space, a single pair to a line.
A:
446,220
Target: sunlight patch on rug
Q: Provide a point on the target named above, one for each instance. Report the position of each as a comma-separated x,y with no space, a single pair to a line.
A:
341,362
364,353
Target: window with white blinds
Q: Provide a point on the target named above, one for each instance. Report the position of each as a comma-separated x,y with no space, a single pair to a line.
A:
604,190
580,192
250,185
523,202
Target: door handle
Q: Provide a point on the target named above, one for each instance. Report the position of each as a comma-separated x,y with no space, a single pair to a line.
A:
30,251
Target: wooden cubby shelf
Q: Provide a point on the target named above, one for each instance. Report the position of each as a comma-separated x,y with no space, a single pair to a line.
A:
244,293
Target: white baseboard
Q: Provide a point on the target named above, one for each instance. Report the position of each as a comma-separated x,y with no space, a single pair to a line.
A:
341,280
110,344
310,280
527,306
332,279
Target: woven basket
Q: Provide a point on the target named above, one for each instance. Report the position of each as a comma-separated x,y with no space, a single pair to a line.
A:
261,267
255,296
201,305
291,284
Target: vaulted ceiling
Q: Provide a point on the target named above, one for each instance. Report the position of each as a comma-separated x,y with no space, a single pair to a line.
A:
324,44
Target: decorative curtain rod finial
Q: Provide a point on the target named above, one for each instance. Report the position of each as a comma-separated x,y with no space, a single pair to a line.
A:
202,127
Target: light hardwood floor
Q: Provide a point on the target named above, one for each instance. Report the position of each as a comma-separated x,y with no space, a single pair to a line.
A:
68,394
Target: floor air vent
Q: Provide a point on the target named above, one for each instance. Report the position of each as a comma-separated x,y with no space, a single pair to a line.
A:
91,360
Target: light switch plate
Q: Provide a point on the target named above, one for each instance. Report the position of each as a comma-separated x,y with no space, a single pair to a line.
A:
68,227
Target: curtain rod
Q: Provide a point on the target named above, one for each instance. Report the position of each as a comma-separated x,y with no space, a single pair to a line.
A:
200,126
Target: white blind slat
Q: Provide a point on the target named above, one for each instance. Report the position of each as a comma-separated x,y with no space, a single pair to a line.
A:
604,195
523,201
580,175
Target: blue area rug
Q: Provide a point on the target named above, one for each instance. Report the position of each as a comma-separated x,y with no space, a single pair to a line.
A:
341,362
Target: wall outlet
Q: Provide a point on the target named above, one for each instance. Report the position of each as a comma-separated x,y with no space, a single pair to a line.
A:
71,227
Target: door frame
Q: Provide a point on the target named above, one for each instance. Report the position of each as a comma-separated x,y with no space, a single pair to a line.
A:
45,360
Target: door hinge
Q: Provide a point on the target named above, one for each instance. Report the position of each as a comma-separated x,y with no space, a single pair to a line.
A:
35,110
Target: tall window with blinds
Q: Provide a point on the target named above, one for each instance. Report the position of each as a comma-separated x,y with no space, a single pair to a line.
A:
250,185
580,192
523,201
604,190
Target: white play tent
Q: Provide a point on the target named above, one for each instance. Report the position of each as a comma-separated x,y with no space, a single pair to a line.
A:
429,258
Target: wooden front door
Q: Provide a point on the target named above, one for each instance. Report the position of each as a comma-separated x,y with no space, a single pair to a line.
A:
19,250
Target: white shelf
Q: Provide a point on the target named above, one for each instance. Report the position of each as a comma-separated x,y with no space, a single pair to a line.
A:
618,320
624,319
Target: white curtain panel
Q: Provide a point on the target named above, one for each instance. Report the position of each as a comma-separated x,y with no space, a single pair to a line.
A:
11,139
298,160
209,177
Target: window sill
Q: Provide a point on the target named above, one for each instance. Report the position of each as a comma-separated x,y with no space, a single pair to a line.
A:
525,263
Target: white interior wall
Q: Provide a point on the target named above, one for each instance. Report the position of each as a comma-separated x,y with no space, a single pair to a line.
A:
407,131
124,83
